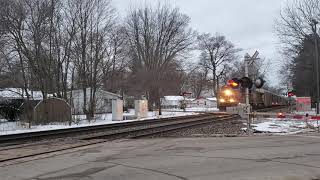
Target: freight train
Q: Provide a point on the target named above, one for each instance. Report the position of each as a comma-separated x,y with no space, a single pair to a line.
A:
259,98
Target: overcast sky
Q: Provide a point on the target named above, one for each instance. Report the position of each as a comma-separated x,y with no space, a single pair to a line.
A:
249,24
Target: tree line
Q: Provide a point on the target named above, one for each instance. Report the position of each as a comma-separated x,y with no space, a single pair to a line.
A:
296,30
56,46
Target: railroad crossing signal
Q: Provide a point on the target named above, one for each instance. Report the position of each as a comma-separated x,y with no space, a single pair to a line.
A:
245,82
259,82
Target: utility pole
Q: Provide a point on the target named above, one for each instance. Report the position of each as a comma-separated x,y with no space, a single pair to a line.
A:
317,60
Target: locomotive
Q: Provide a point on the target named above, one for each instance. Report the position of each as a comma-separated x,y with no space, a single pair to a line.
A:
259,98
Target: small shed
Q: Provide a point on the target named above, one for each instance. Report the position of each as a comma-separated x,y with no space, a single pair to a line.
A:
103,100
47,111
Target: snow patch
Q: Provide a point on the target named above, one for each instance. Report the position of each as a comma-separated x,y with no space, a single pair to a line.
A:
286,126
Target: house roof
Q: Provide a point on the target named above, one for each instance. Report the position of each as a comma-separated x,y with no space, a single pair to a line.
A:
208,98
173,98
98,90
212,98
18,93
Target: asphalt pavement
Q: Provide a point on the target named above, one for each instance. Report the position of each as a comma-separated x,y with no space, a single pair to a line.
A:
290,157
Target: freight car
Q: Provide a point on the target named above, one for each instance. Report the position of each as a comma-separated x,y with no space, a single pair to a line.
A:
259,98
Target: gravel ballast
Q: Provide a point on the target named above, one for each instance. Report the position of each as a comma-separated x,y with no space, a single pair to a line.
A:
221,129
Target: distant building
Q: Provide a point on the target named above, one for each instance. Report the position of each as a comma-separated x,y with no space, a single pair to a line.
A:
176,102
19,93
103,101
171,101
203,102
11,100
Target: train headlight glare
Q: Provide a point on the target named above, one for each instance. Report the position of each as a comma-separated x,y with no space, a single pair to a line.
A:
228,92
231,100
222,100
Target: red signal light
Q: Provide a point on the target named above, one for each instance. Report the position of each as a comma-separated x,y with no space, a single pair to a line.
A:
290,94
281,115
233,83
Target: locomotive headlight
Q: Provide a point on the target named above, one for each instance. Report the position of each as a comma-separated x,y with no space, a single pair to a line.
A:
228,92
222,100
231,100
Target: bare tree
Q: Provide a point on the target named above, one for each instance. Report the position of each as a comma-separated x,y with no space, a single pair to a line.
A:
13,17
117,62
157,39
54,40
94,20
295,23
216,53
295,29
198,81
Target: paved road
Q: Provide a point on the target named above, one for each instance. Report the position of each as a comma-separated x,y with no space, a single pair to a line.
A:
263,157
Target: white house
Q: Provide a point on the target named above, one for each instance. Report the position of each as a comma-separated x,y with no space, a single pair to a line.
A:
171,101
103,100
204,102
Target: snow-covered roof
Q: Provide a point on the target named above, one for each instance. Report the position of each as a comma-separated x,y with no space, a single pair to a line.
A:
212,98
98,90
173,98
19,93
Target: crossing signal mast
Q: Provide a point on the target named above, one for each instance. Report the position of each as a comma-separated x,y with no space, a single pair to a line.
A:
248,84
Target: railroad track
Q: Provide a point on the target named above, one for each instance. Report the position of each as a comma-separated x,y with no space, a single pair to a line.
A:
139,129
58,133
270,109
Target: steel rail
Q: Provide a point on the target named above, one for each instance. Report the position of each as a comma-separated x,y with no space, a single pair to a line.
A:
14,138
270,108
135,133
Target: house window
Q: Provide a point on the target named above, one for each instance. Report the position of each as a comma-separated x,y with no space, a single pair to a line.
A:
106,101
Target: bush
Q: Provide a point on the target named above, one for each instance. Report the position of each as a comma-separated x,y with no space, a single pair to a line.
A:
10,109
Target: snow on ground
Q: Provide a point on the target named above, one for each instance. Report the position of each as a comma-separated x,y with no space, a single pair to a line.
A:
311,112
286,125
283,126
80,121
194,109
201,109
